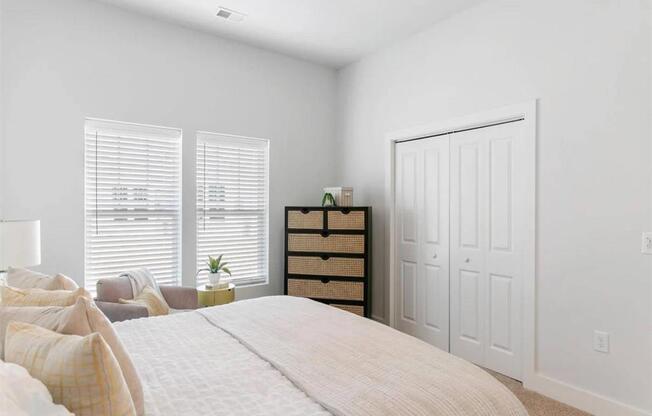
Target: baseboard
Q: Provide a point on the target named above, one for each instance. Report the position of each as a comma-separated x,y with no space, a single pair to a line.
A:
582,399
379,319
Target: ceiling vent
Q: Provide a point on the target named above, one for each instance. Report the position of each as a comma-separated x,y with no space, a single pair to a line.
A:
232,15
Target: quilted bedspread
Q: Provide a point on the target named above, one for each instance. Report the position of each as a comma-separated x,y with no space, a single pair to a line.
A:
286,355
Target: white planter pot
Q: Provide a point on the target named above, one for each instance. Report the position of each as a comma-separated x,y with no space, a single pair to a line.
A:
214,278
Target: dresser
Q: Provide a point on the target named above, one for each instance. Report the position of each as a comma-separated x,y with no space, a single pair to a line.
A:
328,256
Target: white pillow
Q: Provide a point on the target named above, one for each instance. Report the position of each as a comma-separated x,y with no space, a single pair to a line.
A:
23,395
29,279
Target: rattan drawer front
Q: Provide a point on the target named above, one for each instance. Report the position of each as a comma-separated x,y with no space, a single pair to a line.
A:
334,243
331,290
313,220
333,266
354,220
356,309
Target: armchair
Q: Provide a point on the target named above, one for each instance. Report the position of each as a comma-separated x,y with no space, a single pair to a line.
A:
109,290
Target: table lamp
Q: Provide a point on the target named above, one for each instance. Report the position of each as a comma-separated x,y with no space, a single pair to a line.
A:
20,244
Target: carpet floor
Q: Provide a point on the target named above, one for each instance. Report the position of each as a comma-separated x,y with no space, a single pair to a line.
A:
536,404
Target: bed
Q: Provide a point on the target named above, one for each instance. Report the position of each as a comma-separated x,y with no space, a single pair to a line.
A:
283,355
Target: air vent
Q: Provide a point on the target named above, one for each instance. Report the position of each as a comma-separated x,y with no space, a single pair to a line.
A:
231,15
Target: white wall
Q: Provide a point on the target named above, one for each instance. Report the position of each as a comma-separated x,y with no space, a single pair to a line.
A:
70,59
588,63
1,120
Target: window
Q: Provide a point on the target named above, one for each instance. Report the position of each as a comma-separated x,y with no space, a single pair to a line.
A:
232,204
132,200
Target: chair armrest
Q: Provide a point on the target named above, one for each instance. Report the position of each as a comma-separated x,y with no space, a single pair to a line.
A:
179,297
121,312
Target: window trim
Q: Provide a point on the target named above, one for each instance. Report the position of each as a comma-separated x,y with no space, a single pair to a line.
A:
178,136
238,139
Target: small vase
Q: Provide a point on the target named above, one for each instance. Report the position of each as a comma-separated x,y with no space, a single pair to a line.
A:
214,278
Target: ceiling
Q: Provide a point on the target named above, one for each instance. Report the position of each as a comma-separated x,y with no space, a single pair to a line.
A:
330,32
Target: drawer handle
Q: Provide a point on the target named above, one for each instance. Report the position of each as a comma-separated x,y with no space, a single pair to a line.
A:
305,210
346,211
325,257
325,280
324,234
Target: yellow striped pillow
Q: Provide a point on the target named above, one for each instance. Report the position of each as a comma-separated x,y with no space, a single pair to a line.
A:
83,318
150,299
12,296
81,373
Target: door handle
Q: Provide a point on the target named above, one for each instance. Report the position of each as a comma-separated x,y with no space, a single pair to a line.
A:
434,256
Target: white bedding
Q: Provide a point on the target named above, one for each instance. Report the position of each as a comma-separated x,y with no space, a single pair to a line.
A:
290,356
190,367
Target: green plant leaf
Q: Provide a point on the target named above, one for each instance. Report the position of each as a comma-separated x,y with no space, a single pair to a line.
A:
226,270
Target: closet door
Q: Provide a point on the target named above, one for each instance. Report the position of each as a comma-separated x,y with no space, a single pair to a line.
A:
422,206
486,272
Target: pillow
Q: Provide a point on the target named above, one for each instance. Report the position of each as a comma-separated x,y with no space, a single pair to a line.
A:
23,395
62,319
81,373
152,300
82,319
28,279
12,296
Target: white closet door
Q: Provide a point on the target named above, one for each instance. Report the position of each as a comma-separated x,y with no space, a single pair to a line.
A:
486,253
422,205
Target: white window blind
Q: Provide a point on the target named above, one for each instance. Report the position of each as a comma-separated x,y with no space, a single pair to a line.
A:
232,204
132,200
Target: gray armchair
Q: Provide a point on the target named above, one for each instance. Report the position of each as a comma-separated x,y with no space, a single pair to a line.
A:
111,289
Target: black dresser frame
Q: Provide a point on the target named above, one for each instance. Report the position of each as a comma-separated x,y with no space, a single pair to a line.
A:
324,231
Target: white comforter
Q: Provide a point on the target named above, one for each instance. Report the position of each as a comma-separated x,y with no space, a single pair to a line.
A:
284,355
190,367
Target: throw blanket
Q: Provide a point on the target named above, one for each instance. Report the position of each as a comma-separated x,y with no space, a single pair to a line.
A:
139,279
358,367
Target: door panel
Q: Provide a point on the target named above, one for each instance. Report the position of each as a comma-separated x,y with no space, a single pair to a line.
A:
484,246
469,309
407,248
468,170
434,318
409,197
467,254
505,255
459,248
500,309
500,194
409,289
422,223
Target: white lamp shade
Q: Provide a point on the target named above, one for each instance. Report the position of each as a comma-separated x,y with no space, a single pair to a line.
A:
20,244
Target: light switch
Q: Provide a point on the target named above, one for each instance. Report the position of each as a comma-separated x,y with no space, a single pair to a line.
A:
646,243
601,341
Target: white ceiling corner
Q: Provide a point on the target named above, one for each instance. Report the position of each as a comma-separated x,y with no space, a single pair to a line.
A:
329,32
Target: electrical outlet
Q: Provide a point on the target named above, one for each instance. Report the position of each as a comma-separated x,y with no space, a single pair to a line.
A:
601,341
646,243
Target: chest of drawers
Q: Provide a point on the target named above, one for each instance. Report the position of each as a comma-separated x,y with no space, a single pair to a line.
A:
328,256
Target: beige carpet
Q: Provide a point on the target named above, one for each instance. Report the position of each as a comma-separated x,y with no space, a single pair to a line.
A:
536,404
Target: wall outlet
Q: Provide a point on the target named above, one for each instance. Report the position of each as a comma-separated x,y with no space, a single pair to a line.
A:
601,341
646,243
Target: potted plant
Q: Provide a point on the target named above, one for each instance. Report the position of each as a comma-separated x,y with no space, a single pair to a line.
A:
328,200
215,269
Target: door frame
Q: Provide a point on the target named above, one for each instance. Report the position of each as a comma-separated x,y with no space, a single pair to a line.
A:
528,112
